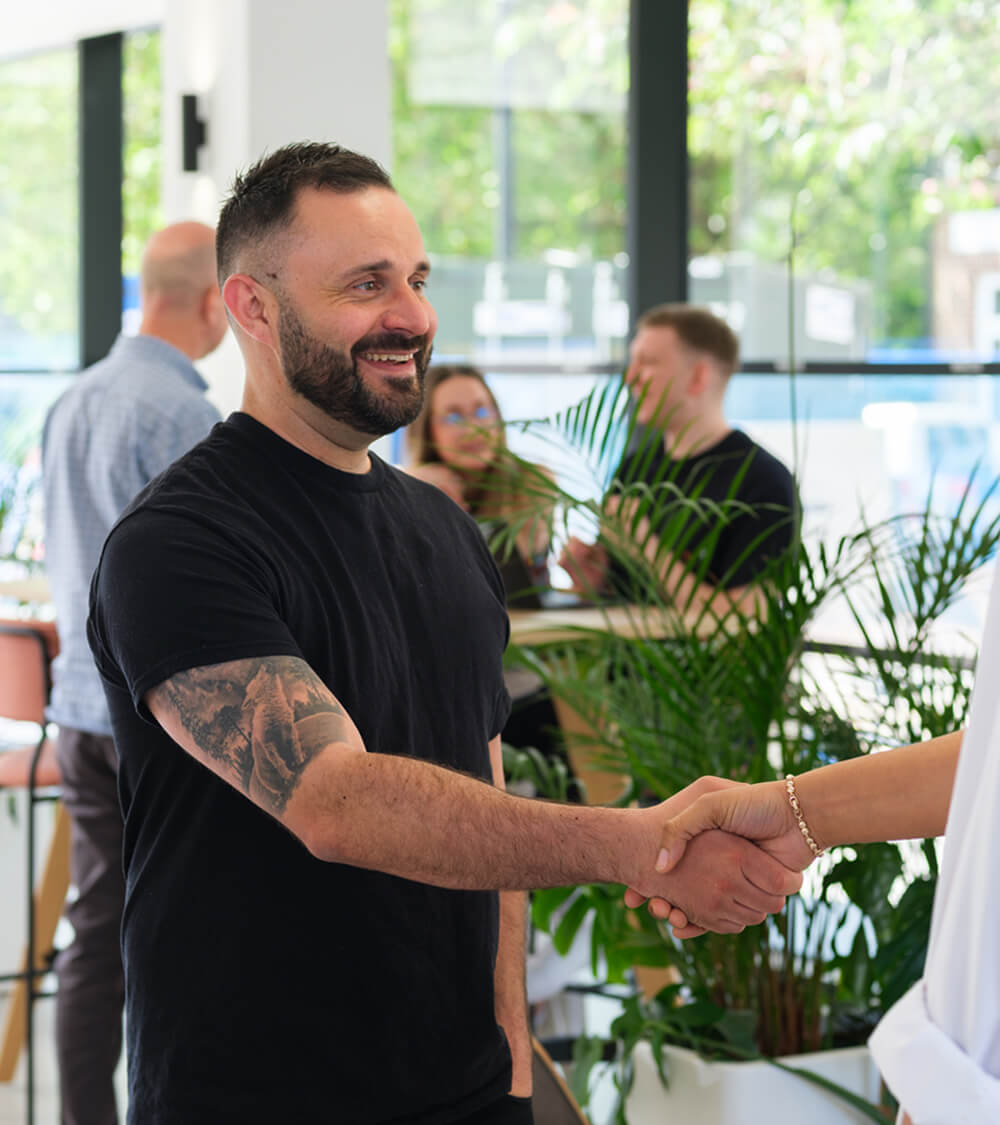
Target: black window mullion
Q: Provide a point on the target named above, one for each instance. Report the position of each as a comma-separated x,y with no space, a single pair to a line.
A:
657,212
101,174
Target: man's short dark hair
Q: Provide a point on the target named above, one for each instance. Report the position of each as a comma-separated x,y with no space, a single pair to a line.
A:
262,200
700,329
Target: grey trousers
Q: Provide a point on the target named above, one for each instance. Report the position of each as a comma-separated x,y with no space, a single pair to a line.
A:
91,988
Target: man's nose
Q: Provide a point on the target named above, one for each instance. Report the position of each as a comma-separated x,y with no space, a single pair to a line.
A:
410,313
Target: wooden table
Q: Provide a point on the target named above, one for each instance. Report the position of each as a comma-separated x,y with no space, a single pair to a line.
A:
550,626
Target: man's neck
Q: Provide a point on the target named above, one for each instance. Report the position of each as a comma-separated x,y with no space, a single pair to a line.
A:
312,431
183,341
695,437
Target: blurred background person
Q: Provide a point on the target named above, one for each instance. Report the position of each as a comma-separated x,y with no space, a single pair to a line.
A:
681,361
458,443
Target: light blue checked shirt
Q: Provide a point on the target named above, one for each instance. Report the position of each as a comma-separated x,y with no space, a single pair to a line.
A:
122,423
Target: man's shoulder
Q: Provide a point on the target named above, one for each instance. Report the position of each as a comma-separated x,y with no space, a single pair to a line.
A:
197,499
427,500
762,463
208,468
140,382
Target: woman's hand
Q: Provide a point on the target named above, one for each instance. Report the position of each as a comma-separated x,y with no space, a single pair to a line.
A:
762,813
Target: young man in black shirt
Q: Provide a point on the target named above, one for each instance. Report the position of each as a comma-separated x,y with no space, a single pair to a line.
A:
301,648
680,364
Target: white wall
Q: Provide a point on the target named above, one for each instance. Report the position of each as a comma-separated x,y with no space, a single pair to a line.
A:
26,27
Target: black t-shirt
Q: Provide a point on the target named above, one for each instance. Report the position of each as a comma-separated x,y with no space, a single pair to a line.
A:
264,985
739,543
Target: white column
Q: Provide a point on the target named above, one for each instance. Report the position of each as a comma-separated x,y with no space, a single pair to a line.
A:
266,74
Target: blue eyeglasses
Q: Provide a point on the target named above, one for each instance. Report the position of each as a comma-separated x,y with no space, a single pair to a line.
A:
481,414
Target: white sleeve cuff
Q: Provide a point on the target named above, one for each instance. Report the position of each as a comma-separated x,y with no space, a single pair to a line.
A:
935,1081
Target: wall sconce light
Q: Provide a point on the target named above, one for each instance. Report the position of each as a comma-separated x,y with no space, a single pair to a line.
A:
192,131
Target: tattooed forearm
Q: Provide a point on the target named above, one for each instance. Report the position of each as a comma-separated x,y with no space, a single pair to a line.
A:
261,720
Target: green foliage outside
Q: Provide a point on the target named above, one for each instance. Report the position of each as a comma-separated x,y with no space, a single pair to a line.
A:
39,184
141,95
38,194
569,167
879,118
742,693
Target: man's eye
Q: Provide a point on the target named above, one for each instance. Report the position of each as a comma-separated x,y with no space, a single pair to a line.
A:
420,283
367,286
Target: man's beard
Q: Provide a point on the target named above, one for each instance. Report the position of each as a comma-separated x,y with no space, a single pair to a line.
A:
329,378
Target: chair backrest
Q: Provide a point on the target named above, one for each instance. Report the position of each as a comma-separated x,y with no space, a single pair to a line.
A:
26,652
552,1103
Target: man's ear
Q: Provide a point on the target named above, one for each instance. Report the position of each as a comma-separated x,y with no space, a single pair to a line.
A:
252,307
703,376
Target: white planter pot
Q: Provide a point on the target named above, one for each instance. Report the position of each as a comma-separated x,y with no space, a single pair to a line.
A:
749,1093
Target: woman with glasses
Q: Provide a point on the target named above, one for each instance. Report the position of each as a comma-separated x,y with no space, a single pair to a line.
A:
458,444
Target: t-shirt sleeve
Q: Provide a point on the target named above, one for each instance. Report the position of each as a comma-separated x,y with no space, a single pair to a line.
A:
174,592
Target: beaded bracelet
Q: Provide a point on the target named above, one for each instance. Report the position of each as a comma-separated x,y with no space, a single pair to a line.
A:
803,827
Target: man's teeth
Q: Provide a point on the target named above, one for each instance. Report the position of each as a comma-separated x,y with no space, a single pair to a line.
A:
385,357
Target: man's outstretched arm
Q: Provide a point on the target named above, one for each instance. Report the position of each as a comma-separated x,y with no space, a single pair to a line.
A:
270,728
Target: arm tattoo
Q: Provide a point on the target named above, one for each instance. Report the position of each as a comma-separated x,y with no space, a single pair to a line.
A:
264,719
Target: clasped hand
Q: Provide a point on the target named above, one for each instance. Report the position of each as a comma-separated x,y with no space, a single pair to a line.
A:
728,855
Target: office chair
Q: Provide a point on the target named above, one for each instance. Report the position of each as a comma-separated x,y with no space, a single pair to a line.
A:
26,652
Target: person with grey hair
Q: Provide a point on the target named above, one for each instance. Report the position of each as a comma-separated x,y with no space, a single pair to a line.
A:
122,422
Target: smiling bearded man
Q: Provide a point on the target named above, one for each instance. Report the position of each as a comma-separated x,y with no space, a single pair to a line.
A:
302,650
329,379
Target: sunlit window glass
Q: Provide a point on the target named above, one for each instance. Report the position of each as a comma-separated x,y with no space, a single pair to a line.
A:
38,213
141,96
866,134
509,145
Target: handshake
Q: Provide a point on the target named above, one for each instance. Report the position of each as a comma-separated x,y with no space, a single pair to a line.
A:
728,855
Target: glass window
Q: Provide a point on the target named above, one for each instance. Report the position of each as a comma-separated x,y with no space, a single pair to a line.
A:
39,284
870,131
141,210
908,436
509,145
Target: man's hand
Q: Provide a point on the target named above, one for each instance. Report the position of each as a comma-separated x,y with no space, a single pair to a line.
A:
760,813
586,564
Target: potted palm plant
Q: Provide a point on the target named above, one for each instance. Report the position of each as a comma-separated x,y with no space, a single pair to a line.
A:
745,692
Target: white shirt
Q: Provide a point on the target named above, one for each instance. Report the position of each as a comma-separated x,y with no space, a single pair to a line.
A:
939,1047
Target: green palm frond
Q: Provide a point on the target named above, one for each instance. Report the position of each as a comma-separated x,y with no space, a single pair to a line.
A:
738,690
